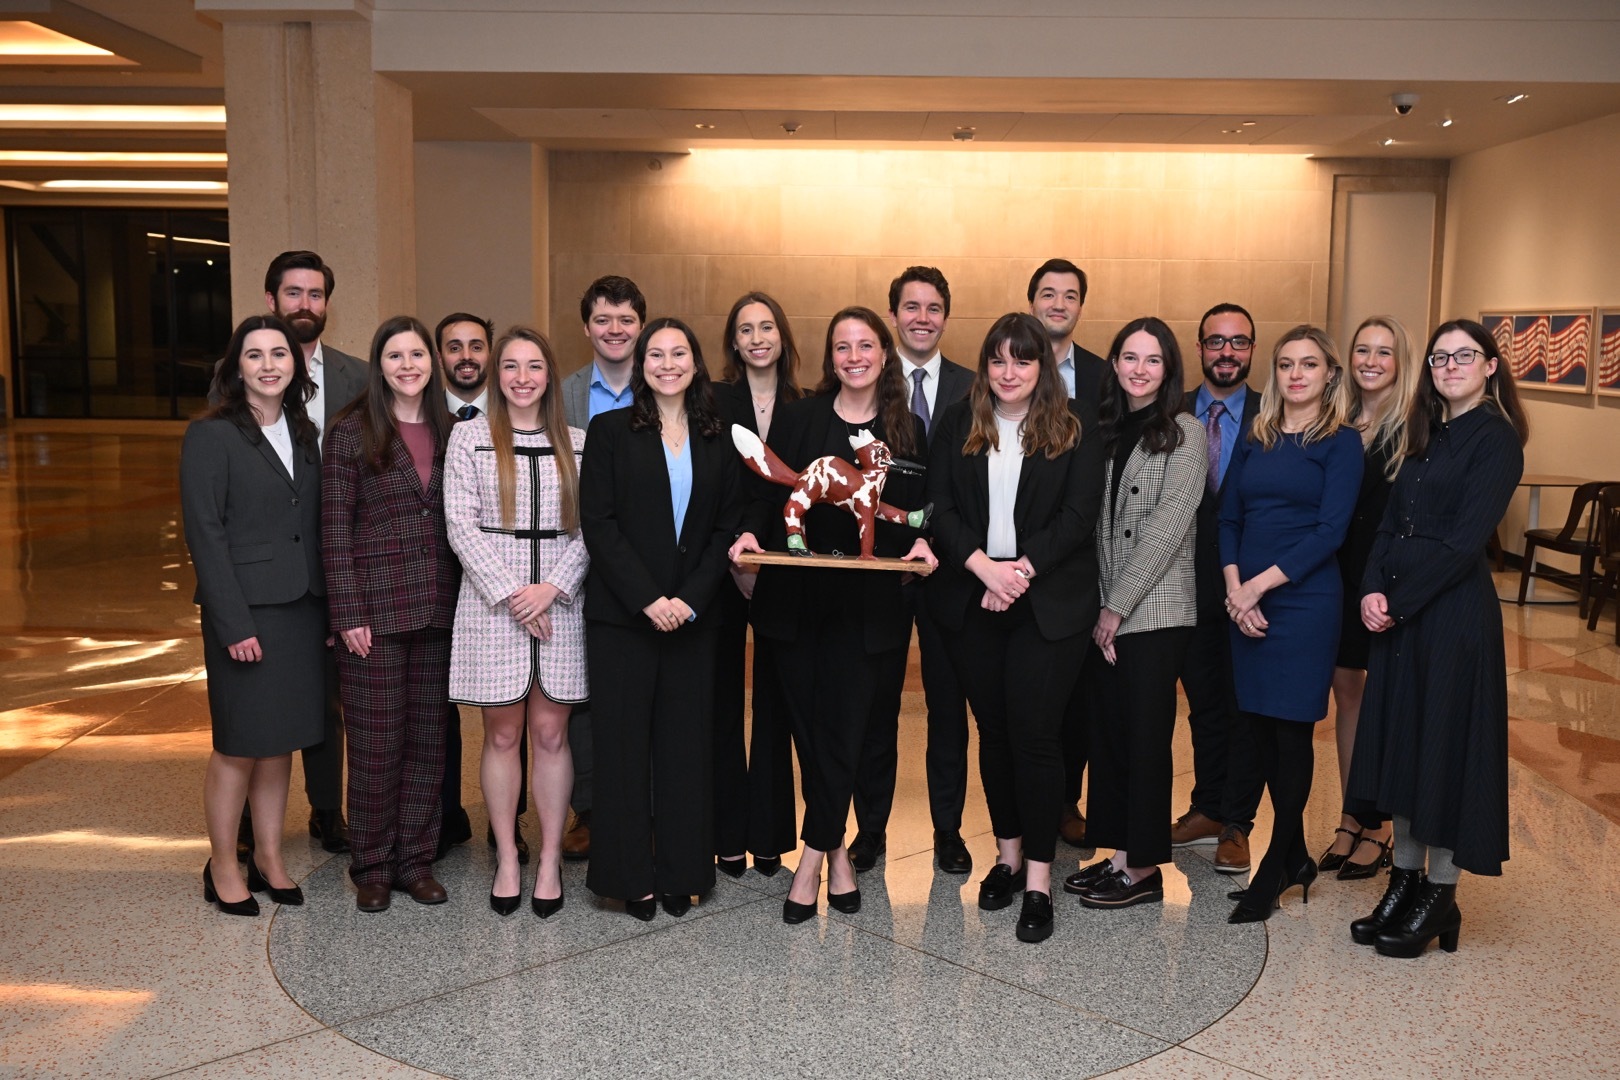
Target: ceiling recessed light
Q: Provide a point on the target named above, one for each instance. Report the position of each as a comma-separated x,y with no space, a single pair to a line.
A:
1512,99
113,116
1231,131
1444,122
1387,142
1249,123
704,127
187,187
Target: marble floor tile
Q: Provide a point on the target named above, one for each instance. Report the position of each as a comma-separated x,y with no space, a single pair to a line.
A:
322,1055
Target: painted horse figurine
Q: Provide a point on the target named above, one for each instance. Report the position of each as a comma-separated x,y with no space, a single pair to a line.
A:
832,480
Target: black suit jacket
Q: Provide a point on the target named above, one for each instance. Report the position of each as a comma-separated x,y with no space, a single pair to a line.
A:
1089,369
254,532
954,383
628,521
1207,575
1055,515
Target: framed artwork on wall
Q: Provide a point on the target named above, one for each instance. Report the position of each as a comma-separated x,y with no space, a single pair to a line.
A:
1546,350
1608,351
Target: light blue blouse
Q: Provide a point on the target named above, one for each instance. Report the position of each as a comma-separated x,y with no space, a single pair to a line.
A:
680,483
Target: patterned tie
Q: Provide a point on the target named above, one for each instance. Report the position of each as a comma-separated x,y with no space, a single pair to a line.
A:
919,400
466,412
1212,428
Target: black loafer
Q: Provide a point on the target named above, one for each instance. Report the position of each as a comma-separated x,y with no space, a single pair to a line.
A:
864,852
1035,921
1115,891
951,853
675,904
1087,876
999,887
645,910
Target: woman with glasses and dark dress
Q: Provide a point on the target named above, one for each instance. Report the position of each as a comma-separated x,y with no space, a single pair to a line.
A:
1382,382
1289,493
754,806
1431,747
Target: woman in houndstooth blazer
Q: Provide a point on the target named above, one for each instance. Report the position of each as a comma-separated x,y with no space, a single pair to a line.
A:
1154,481
512,504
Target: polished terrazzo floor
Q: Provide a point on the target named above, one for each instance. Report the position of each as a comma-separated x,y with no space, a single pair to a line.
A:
112,965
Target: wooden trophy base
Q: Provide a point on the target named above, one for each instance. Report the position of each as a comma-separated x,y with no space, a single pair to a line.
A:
836,562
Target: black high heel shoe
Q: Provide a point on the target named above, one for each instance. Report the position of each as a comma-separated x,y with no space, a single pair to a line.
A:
793,914
1353,871
257,882
1332,860
732,868
1392,907
847,902
768,864
547,908
250,906
1251,908
1433,914
645,910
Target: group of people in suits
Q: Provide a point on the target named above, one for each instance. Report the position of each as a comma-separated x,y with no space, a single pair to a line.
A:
568,555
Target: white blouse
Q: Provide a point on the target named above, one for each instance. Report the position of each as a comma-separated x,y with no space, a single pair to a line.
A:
1001,541
281,439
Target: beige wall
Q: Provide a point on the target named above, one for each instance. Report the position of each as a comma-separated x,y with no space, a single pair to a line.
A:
1165,234
1537,223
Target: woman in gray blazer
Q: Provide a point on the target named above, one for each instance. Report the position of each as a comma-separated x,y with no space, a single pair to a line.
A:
1154,480
250,495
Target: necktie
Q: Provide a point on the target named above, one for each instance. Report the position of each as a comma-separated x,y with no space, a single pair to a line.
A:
466,412
919,400
1212,429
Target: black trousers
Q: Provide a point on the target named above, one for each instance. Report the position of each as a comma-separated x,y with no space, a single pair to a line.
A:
651,709
1019,684
830,685
1227,781
1287,760
1079,721
323,762
754,805
1131,765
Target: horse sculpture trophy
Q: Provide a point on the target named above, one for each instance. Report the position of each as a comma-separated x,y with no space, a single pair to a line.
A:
832,480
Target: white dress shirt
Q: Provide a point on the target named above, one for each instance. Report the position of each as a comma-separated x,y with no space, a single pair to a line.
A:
280,438
317,404
455,404
1066,369
1006,462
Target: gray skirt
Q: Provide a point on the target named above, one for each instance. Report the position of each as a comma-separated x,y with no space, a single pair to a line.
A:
276,705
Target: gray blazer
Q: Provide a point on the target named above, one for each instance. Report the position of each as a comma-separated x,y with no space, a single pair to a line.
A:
576,391
254,532
1145,550
346,378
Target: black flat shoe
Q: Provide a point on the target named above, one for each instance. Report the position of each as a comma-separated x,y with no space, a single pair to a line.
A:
1332,860
999,887
645,910
256,882
951,854
732,868
793,914
676,904
768,864
847,902
1392,907
1035,920
1433,914
866,848
1087,876
1354,871
250,906
1115,891
547,908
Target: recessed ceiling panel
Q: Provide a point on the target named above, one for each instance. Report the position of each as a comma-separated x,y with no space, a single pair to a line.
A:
1321,130
987,127
545,124
1147,127
880,126
1057,127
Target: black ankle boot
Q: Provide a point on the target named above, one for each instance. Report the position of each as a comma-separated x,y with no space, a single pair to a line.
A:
1403,889
1432,915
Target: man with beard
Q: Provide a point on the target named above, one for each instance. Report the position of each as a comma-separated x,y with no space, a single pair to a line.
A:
1226,783
613,311
297,287
1057,293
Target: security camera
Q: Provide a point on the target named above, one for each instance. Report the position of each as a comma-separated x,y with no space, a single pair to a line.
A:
1404,103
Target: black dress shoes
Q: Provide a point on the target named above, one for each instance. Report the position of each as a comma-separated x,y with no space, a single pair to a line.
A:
951,853
330,829
999,887
768,864
250,906
645,910
675,904
867,847
1391,909
517,835
732,868
1433,914
1035,921
504,905
256,882
1116,890
793,914
1087,876
455,829
847,902
546,908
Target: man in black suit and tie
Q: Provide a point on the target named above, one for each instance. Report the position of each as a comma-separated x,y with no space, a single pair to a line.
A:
919,305
1057,295
1226,781
297,287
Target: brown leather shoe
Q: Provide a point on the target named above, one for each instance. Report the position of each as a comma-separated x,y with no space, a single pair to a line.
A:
1194,828
576,842
425,891
1232,851
1073,827
373,898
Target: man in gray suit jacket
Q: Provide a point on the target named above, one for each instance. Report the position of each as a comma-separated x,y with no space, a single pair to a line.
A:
613,311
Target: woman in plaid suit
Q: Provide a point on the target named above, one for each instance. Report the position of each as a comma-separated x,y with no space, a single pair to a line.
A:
391,584
512,498
1015,476
1154,481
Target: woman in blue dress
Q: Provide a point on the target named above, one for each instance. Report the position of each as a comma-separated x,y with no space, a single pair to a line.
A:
1291,489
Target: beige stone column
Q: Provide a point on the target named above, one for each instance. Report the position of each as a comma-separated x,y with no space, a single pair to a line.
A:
320,157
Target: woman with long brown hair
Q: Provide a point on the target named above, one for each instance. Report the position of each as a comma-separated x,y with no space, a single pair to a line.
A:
391,587
512,500
838,635
1015,477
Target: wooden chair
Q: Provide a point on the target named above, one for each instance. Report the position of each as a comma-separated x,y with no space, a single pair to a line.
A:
1608,584
1578,537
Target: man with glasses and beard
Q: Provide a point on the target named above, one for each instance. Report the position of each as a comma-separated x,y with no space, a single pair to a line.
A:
1226,780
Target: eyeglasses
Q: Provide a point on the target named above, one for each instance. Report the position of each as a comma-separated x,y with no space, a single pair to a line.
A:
1464,357
1239,342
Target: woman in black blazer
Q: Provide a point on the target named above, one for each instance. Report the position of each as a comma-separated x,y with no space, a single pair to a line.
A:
754,807
1016,478
250,496
838,635
659,501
